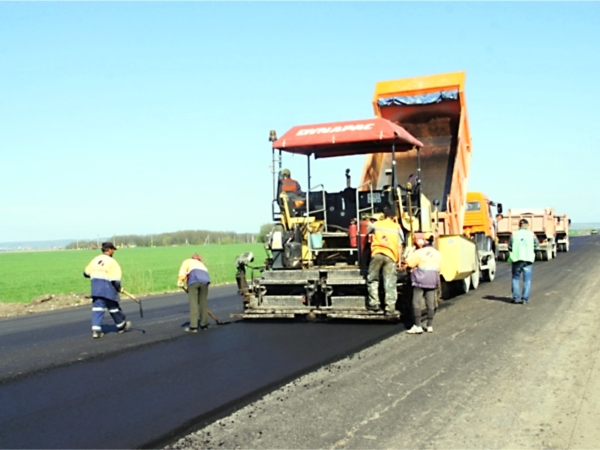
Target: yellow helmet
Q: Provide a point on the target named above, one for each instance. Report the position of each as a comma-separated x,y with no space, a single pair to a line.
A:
286,173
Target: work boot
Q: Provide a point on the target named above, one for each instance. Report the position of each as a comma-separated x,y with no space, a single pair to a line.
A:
126,327
97,334
373,308
415,330
190,330
204,327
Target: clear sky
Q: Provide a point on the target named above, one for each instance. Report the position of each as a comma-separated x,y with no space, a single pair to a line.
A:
142,118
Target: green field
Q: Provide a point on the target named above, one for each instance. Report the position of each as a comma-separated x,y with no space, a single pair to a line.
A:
27,275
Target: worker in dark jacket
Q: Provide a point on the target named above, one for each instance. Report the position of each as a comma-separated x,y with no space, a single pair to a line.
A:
194,274
105,274
522,246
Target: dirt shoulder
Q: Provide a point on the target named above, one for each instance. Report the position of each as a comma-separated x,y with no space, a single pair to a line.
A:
48,302
52,302
43,303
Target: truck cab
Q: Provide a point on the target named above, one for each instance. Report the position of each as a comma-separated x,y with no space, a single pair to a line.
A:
480,222
481,226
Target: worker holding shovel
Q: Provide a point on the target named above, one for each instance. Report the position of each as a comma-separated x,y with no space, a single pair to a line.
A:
194,279
105,275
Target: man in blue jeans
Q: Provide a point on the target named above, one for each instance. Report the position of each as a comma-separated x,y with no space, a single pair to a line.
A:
522,246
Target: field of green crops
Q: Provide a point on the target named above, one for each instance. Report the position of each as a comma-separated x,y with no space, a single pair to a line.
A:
27,275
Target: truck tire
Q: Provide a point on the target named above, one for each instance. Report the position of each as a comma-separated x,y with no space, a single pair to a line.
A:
538,255
464,285
445,290
502,256
475,277
490,273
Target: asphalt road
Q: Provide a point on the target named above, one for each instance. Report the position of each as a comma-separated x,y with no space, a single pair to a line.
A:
59,388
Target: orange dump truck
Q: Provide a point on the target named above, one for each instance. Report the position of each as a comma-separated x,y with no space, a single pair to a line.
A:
433,109
562,232
542,222
480,225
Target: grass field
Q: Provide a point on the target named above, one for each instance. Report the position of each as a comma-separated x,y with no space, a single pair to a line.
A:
26,275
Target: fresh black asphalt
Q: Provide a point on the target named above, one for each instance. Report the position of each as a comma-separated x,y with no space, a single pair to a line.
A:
62,389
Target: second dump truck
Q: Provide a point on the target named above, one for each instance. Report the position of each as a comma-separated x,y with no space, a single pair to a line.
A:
482,227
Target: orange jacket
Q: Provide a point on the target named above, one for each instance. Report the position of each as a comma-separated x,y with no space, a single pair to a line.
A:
290,185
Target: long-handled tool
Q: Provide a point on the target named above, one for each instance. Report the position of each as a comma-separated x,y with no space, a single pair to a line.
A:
139,302
210,313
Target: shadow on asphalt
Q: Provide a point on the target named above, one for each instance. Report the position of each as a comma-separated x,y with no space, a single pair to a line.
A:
505,299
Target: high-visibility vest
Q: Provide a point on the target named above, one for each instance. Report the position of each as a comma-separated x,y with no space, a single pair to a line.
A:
386,238
523,246
289,185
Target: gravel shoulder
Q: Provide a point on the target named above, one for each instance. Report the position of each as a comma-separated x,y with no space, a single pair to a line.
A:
492,375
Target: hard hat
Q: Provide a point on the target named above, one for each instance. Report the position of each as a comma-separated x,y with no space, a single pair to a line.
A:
286,172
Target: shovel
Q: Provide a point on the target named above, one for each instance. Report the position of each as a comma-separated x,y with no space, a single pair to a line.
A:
135,300
210,313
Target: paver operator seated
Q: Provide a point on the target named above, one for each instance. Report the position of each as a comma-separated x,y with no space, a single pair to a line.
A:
292,188
289,185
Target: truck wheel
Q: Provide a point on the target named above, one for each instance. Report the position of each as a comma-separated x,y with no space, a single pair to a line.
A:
538,255
464,285
445,290
475,276
490,273
502,256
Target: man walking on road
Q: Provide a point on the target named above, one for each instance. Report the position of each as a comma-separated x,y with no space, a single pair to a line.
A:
194,273
386,248
522,246
425,263
105,274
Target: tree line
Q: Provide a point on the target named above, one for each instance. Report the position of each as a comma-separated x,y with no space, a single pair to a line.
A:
186,237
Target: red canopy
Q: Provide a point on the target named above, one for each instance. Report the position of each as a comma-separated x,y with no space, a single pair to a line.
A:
354,137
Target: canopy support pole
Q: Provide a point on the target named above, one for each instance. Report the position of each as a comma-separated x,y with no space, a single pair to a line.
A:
419,181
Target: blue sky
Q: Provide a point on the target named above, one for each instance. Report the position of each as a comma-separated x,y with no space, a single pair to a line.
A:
142,118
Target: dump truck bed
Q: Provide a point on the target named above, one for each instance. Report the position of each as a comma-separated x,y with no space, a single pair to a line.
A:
433,109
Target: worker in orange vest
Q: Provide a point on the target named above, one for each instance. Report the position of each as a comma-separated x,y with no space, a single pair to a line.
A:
386,248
